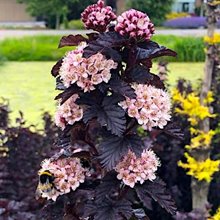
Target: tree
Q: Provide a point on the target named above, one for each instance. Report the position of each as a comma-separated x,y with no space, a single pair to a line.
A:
156,10
49,9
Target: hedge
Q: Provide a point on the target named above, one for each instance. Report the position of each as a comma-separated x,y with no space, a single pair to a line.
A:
31,48
189,49
44,48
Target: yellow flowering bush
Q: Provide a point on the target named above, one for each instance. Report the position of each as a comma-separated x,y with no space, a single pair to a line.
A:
212,40
190,105
174,15
201,140
201,170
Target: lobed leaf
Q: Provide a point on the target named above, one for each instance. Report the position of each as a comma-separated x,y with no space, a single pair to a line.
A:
109,210
114,148
107,188
121,87
108,114
141,74
112,39
64,96
94,47
174,130
71,40
152,50
105,44
56,68
157,191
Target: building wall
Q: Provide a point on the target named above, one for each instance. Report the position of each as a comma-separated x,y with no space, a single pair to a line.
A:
180,5
11,11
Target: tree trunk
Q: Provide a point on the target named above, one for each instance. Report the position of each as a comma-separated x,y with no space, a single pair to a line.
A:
121,6
58,21
200,189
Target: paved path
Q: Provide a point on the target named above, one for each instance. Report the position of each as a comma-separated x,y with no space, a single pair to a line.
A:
20,33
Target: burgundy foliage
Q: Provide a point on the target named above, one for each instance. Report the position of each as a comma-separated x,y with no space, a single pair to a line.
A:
106,134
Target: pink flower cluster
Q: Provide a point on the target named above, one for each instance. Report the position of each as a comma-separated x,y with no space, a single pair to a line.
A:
86,73
68,173
98,17
68,113
135,24
132,170
151,107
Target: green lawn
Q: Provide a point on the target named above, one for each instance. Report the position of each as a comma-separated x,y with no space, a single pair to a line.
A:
30,87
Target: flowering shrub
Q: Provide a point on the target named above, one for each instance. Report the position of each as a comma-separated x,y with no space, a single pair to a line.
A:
201,170
174,15
21,150
212,40
187,22
190,105
104,167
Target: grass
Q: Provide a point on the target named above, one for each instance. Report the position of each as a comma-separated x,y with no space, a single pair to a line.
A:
30,87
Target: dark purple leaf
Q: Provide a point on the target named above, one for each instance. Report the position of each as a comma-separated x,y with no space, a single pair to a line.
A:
108,114
71,40
151,50
107,188
114,99
92,36
93,98
141,74
157,191
111,116
122,88
146,199
140,214
113,148
112,39
109,210
56,68
105,44
174,130
64,96
94,47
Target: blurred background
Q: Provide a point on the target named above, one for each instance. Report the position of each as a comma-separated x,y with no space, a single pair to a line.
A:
30,31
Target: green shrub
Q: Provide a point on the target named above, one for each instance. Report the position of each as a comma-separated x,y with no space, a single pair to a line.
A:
189,49
76,24
36,48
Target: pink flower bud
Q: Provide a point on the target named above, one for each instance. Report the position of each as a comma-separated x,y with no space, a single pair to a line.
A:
135,24
98,17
